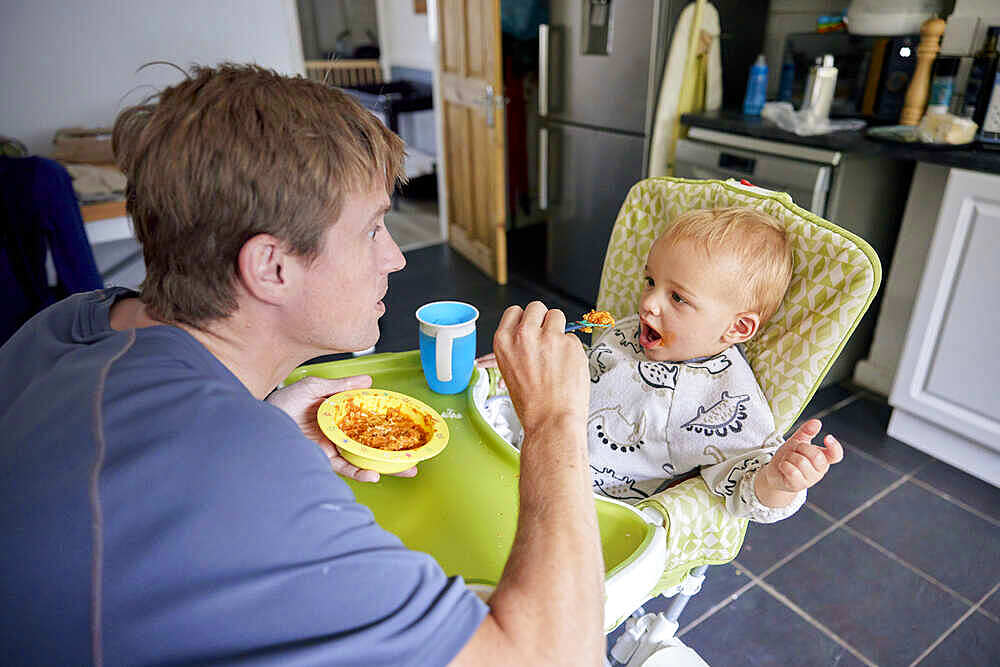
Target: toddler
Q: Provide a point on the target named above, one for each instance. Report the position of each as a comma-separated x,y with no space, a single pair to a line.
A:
672,391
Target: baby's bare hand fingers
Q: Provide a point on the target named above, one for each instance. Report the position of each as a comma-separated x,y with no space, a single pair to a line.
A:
792,476
834,451
803,465
816,456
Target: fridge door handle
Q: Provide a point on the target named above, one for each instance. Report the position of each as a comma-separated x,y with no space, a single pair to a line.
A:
543,69
543,169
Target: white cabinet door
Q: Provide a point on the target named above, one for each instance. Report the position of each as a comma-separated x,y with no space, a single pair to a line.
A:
946,393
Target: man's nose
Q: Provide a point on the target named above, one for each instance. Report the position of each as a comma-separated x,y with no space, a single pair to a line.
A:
394,260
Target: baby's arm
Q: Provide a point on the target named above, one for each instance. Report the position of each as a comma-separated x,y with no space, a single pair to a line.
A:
797,465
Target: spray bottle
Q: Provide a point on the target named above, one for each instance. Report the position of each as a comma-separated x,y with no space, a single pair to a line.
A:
753,102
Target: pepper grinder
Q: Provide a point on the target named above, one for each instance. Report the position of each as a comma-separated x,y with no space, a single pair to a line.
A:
919,89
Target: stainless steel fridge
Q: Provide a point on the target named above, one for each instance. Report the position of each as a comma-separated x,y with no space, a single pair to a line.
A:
600,67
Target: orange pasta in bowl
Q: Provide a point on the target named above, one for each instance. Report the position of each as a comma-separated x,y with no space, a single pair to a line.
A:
391,430
382,430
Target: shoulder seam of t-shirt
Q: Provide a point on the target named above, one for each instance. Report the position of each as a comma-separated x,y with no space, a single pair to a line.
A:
97,558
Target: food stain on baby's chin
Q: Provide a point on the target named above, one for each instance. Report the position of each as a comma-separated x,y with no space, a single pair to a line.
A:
667,338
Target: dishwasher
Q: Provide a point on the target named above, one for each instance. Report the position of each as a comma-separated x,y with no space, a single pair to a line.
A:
864,194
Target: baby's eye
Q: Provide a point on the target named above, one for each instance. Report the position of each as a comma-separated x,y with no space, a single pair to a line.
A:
677,297
647,282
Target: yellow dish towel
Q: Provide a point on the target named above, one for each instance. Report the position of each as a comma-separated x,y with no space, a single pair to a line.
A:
674,100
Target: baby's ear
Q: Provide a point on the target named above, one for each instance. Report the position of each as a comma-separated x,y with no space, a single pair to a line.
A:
743,328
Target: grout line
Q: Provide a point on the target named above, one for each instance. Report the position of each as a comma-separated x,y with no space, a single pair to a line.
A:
913,568
836,523
952,499
874,459
722,603
842,523
957,623
773,592
836,406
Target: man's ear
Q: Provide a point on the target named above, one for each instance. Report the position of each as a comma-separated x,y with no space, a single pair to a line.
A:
743,328
263,268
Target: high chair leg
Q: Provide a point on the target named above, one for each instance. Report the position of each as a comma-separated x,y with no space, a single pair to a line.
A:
645,634
681,599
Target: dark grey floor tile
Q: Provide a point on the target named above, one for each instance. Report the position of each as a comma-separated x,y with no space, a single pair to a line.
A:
992,604
766,543
954,546
850,483
756,629
975,642
962,486
863,423
721,581
883,609
825,398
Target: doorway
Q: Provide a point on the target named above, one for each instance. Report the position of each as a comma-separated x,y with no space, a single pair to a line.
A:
380,51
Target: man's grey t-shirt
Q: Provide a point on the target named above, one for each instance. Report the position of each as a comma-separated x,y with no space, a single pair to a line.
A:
153,511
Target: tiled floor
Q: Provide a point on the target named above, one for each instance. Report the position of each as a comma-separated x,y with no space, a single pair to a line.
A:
894,560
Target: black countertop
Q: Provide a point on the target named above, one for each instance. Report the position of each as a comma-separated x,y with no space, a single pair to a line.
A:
972,157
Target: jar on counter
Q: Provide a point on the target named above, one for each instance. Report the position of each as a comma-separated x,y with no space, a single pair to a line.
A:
942,84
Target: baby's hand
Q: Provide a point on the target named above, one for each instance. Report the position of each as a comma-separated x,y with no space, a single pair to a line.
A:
797,465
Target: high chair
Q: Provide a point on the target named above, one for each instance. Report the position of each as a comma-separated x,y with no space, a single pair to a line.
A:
462,509
835,277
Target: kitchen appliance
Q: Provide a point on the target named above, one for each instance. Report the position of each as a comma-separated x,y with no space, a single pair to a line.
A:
600,67
864,194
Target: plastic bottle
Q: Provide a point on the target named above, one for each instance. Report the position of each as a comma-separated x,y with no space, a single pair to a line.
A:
818,105
753,102
979,86
989,135
810,83
787,78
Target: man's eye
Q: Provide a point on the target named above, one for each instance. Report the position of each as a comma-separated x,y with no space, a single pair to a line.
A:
677,297
374,232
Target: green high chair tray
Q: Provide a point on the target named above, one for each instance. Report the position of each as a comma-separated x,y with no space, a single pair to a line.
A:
462,506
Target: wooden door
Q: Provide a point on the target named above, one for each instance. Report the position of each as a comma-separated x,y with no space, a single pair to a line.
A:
469,54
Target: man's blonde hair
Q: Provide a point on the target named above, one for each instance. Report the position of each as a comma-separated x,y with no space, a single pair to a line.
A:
231,152
756,240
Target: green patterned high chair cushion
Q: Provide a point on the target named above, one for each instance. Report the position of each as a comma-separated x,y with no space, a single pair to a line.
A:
835,277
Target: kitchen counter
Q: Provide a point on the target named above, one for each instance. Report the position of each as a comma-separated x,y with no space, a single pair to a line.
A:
972,157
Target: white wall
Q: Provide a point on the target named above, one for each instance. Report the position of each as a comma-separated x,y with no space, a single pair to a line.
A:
403,35
74,63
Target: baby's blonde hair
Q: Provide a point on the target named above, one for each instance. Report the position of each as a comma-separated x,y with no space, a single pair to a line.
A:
754,239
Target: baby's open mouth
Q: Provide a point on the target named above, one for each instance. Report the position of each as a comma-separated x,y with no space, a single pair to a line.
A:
648,336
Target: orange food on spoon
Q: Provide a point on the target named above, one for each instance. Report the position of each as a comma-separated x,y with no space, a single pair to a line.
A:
601,317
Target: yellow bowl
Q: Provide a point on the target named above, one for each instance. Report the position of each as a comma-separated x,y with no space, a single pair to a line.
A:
332,411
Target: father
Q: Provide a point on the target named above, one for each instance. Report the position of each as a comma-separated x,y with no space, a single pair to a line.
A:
161,503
